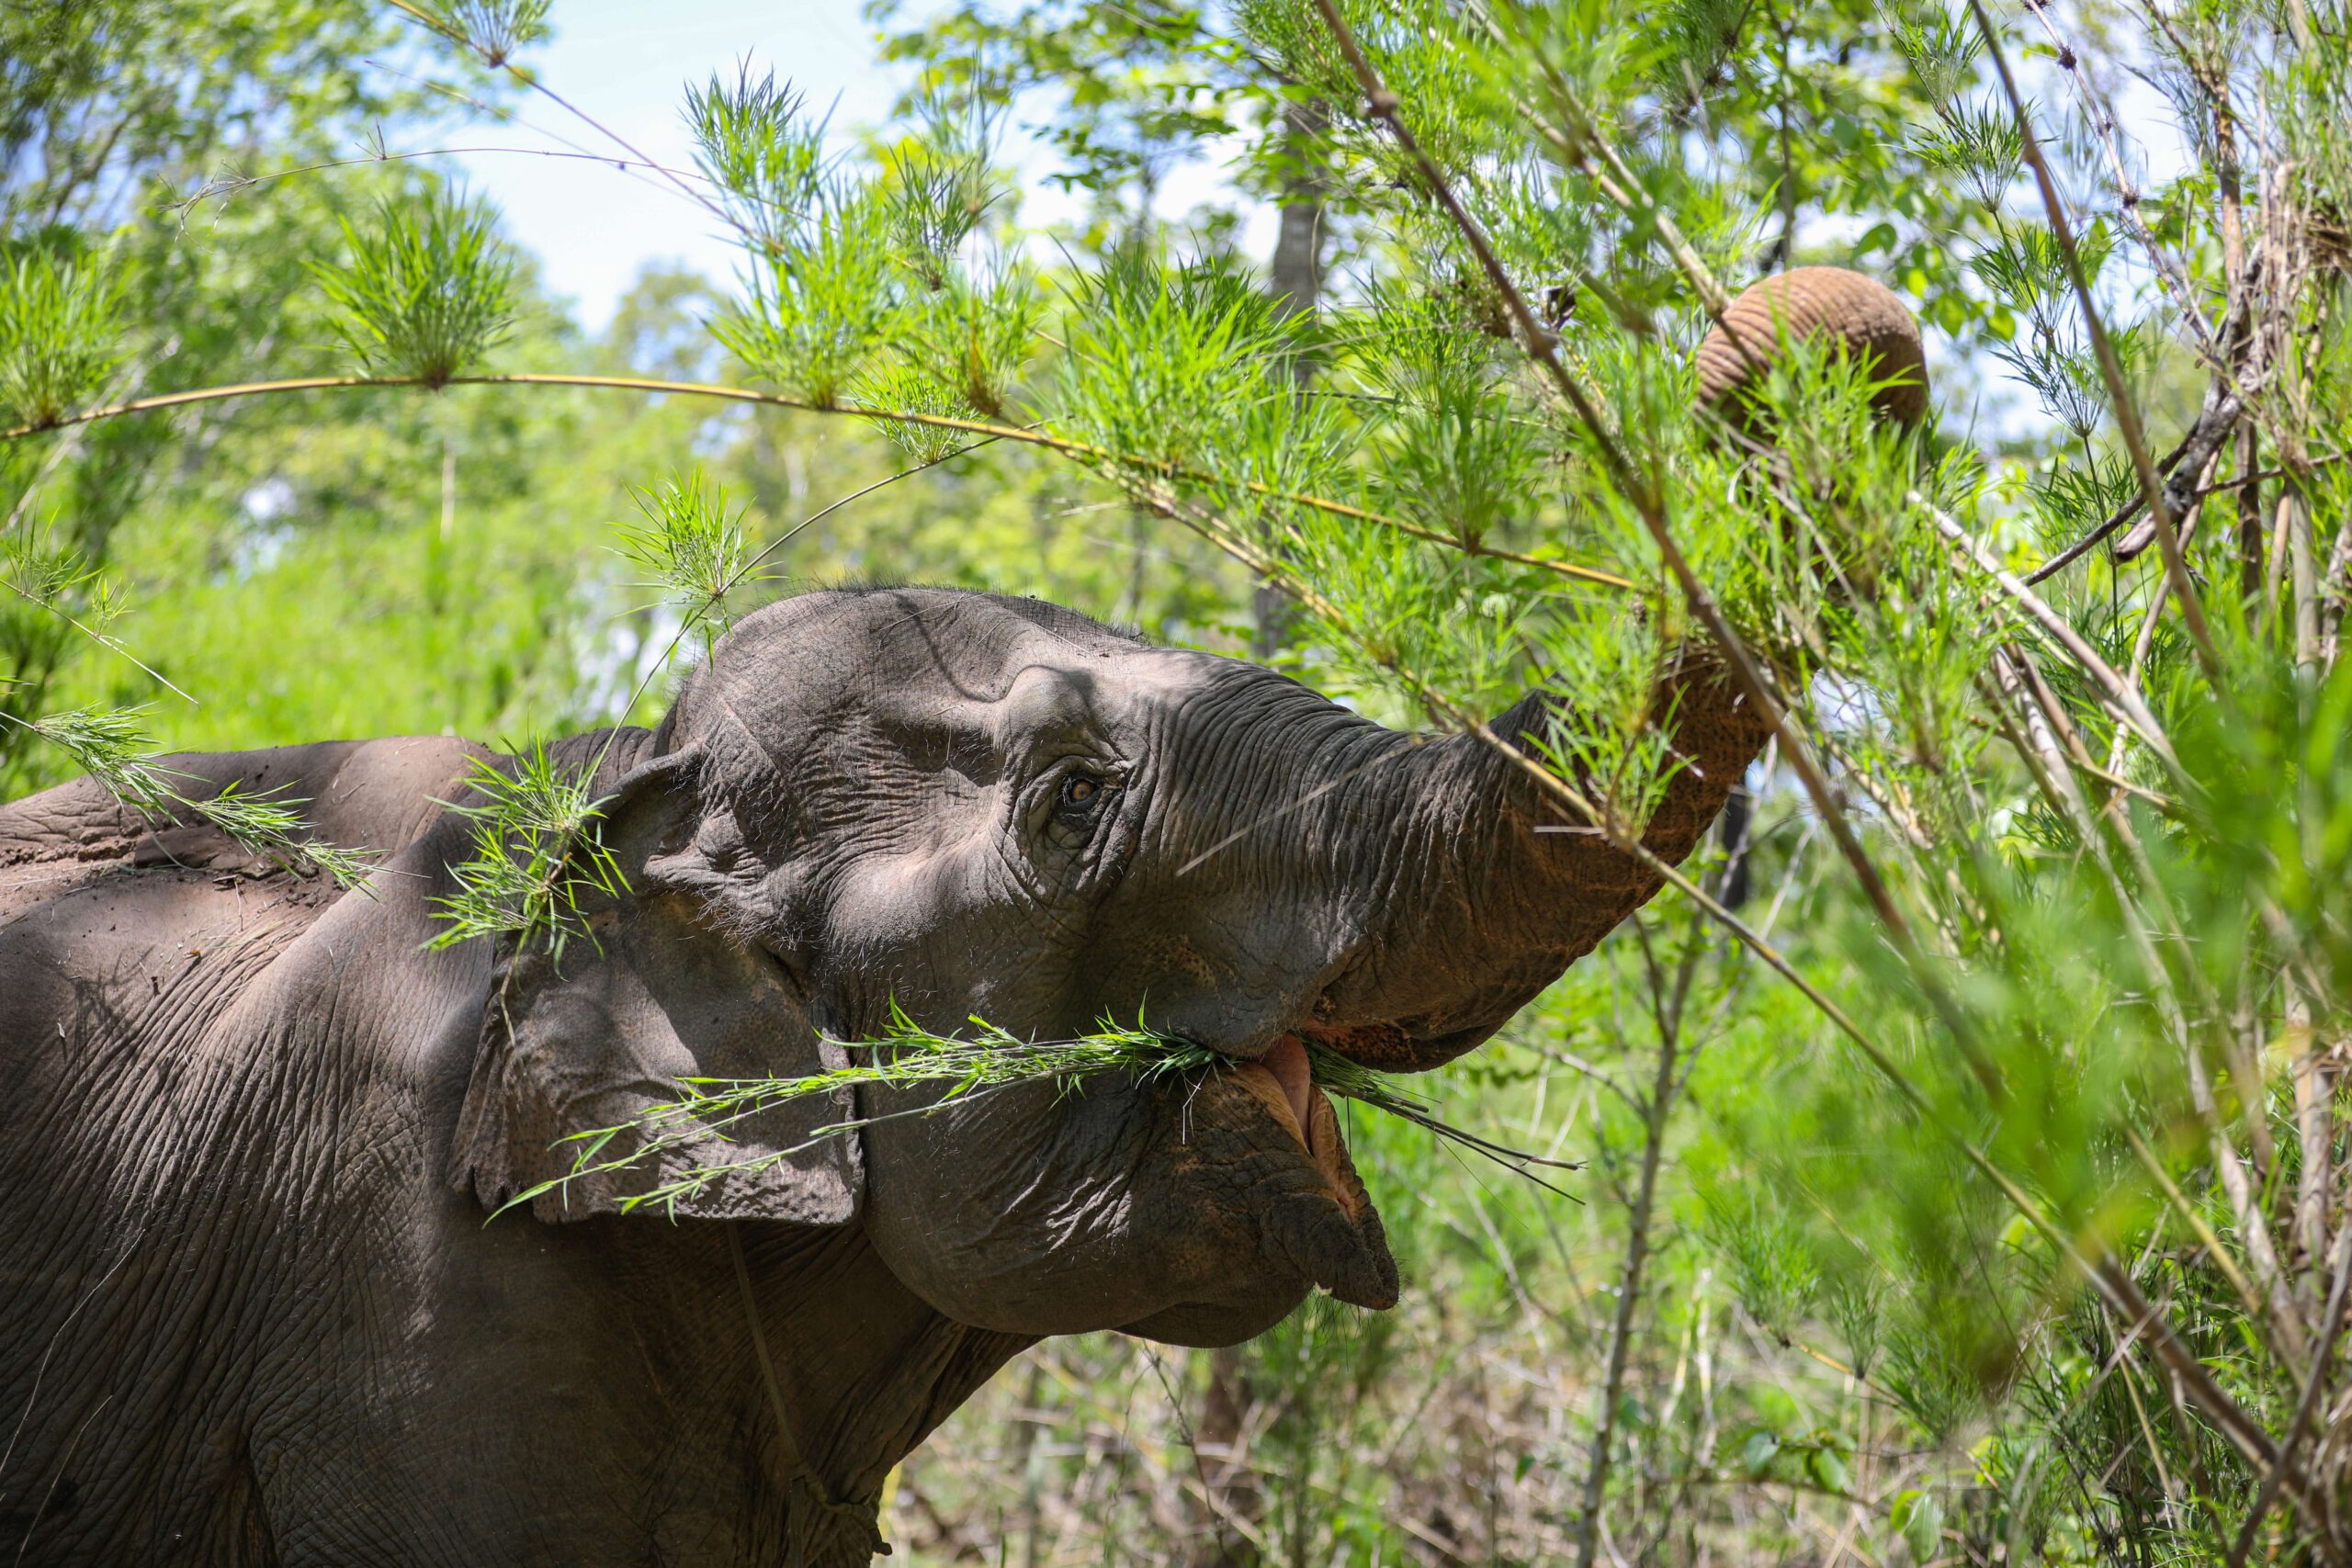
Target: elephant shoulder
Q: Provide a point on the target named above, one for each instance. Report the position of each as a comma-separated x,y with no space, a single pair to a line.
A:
112,920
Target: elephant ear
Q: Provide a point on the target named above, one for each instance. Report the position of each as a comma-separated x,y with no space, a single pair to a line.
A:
600,1037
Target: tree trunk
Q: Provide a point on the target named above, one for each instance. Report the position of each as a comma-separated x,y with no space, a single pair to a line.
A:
1296,279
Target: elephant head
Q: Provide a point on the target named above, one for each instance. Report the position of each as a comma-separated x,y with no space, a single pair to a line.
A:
964,805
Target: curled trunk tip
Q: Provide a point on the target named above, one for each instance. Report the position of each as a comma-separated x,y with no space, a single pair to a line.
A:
1805,301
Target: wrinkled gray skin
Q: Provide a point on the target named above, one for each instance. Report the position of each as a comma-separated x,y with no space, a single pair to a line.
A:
250,1309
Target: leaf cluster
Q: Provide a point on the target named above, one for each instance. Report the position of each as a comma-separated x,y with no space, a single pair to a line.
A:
425,292
61,332
538,855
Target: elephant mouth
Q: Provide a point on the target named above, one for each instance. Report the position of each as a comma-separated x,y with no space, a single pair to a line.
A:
1282,1083
1331,1233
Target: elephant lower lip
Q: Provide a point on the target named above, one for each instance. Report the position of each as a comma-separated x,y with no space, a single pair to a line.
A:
1286,1061
1333,1236
1279,1081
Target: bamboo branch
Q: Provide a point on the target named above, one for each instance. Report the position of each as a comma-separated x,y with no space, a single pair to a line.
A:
2120,694
1024,435
1544,346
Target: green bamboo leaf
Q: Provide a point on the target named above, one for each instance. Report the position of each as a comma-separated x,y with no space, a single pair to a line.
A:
60,334
425,292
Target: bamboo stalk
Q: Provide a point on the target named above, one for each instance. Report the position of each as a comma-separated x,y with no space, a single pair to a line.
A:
1024,435
2315,1121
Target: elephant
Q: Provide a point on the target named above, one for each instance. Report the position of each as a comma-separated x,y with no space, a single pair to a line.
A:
269,1299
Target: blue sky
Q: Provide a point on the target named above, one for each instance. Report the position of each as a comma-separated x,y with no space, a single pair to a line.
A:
627,64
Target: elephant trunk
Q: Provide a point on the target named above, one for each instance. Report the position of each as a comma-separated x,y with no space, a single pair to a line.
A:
1503,885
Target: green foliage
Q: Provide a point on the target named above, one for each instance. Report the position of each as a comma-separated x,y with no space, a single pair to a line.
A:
937,185
819,310
764,158
1169,363
538,855
424,293
697,548
908,388
907,1057
107,745
973,337
61,334
107,109
494,29
1457,452
1138,89
950,1069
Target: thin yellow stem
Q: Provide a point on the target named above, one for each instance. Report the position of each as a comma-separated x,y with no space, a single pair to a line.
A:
1026,436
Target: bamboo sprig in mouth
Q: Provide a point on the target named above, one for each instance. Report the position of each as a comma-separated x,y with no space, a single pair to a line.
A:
971,1067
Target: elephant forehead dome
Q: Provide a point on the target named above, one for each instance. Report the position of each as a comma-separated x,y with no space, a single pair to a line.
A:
897,650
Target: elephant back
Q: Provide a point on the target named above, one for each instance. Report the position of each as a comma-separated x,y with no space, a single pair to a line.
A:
358,794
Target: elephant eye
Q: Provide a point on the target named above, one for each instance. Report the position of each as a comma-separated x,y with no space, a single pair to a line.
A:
1081,790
